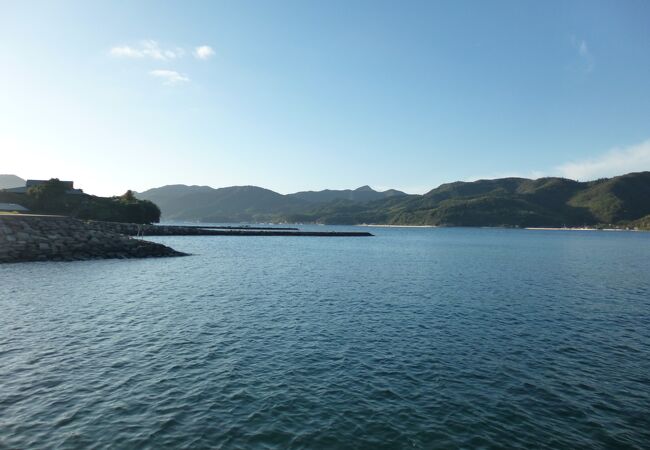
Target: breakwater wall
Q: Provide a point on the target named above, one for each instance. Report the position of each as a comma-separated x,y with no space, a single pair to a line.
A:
58,238
132,229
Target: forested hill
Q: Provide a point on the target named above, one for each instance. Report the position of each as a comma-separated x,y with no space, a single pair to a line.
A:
247,203
517,202
362,194
520,202
230,204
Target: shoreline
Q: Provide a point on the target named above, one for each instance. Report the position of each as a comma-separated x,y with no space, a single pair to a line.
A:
578,229
395,226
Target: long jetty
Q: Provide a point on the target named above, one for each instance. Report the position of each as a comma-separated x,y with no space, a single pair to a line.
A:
131,229
235,232
230,227
25,237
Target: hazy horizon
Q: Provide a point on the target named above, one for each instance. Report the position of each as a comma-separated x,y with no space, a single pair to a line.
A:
382,189
295,96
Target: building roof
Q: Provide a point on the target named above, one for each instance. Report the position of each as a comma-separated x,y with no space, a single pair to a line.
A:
12,207
30,183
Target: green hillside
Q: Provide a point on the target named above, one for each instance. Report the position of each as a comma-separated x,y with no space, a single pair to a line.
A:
232,204
616,199
517,202
511,202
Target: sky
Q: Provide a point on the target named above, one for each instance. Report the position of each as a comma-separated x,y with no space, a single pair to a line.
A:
307,95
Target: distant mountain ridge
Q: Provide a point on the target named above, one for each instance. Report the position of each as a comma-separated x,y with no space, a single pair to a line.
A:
517,202
361,194
230,204
11,181
247,203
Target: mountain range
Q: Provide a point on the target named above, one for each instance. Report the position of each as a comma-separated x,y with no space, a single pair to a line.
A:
518,202
248,203
362,194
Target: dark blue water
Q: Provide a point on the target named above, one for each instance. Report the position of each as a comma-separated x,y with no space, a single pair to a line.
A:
416,338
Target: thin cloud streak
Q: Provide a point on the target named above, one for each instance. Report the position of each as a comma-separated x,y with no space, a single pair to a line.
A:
492,176
617,161
586,59
148,49
170,77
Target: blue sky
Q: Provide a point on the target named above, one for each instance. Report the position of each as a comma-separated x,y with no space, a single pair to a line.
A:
296,95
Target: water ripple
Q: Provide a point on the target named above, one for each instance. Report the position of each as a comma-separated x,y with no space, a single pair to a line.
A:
434,338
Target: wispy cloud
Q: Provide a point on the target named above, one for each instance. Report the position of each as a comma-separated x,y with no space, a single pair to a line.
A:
490,176
170,77
148,49
586,59
617,161
151,50
203,52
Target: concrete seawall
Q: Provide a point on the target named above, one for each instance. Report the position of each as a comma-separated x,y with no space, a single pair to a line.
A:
57,238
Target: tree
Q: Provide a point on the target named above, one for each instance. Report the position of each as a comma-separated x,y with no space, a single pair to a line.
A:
129,196
49,195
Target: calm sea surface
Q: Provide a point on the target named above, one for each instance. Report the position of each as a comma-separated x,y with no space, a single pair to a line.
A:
416,338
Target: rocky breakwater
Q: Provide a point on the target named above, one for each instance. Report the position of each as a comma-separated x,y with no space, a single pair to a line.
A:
57,238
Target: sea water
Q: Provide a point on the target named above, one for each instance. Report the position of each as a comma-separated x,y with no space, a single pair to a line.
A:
414,338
